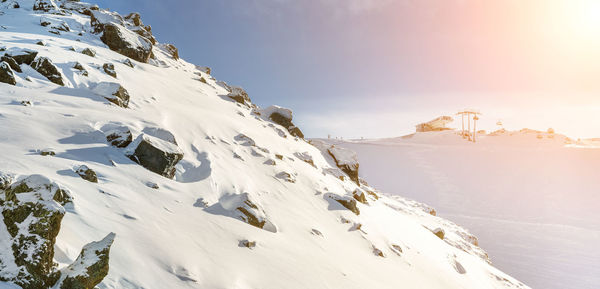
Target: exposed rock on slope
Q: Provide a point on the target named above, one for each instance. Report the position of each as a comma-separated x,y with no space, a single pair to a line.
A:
282,116
113,92
155,154
45,67
6,74
90,267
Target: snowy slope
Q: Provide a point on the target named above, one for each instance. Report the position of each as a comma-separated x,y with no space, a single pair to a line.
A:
187,232
531,197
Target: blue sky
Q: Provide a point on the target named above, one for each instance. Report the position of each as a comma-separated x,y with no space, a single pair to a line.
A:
375,68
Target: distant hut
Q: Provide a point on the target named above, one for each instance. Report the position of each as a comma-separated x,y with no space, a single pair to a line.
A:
437,124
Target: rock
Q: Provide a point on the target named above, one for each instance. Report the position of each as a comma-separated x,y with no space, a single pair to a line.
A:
5,181
23,56
172,51
32,211
247,244
45,6
80,67
378,252
306,157
113,92
439,232
47,152
119,137
135,18
348,203
155,154
45,67
126,43
360,196
6,74
239,95
244,140
87,174
91,266
41,43
128,63
279,157
109,69
286,177
204,69
250,212
160,133
12,63
89,52
347,161
282,116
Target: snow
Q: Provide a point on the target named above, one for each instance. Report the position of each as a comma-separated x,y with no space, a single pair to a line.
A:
532,202
184,233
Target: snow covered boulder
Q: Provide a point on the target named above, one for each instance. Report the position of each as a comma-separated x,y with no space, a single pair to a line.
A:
12,63
113,92
6,74
89,52
155,154
87,174
22,56
348,203
439,232
46,6
347,161
109,69
245,208
45,67
282,116
239,95
172,51
91,266
32,210
119,137
127,43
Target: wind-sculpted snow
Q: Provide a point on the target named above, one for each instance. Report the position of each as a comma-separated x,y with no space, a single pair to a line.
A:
218,197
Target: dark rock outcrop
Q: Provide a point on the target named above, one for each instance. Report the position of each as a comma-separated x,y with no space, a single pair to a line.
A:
6,74
119,137
45,67
24,56
87,174
89,52
109,69
155,154
90,267
12,62
282,116
347,202
347,161
32,211
117,39
239,95
45,6
439,232
172,51
113,92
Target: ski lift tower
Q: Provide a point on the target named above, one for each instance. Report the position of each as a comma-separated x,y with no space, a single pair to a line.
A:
471,114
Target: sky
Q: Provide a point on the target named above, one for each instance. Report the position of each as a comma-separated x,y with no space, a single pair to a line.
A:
376,68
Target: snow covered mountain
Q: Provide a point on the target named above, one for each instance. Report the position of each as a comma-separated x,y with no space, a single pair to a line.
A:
123,166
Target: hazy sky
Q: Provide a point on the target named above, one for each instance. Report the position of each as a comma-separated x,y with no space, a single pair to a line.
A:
375,68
